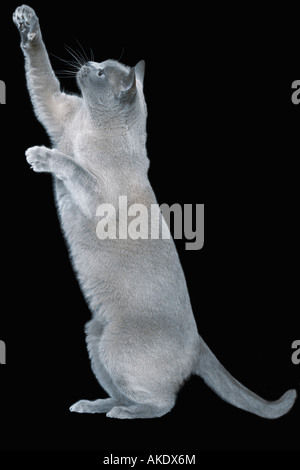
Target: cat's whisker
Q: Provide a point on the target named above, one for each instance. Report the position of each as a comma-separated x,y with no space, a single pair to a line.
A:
71,63
92,55
123,48
74,65
62,77
79,59
66,72
84,56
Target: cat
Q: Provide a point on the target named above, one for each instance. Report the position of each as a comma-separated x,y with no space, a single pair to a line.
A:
142,340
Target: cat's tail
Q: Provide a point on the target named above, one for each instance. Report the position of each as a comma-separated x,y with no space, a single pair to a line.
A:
232,391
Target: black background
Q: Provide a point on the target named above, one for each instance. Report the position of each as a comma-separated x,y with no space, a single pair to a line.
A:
221,130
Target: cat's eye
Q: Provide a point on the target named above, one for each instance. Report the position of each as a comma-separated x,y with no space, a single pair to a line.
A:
100,72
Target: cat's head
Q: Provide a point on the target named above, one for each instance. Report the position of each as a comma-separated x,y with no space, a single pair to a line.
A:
112,87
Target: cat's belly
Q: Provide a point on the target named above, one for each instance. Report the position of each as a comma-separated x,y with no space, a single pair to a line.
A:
124,277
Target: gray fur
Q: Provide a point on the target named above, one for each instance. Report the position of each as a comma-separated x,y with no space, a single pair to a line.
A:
142,339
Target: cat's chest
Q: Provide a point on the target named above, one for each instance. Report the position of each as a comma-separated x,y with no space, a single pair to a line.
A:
100,148
85,146
94,152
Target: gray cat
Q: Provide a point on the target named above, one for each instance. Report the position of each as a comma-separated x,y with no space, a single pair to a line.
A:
142,340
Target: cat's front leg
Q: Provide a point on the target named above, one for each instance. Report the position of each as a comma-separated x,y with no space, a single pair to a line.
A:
51,105
44,160
28,24
84,188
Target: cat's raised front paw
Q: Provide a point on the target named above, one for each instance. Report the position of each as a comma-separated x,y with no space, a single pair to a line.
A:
39,158
28,24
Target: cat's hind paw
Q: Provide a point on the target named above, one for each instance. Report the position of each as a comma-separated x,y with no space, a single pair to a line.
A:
27,23
96,406
82,406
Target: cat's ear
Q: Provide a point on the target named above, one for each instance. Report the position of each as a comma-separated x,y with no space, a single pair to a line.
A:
128,84
140,71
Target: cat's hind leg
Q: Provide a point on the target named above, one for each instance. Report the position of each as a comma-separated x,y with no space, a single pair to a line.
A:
141,410
94,331
147,382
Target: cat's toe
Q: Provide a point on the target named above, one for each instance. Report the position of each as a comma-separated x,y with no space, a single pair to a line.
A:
22,16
